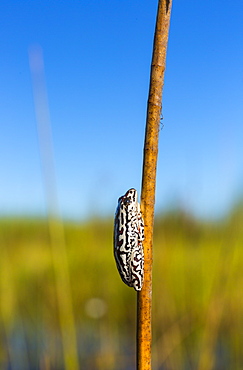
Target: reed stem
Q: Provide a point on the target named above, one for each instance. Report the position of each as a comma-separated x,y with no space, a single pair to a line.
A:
154,107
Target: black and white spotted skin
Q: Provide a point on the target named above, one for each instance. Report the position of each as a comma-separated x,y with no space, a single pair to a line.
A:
128,238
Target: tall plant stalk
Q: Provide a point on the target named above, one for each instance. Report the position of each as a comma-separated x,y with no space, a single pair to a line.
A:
154,107
57,238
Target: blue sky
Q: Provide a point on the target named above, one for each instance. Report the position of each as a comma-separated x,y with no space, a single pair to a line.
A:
97,61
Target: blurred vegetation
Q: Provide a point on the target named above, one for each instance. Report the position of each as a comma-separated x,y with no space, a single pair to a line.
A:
197,295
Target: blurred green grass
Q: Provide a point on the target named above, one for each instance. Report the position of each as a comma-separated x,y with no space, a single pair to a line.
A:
197,295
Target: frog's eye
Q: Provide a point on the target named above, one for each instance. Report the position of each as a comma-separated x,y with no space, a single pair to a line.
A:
127,201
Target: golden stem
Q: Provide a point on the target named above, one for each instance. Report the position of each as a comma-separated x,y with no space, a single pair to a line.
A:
154,106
